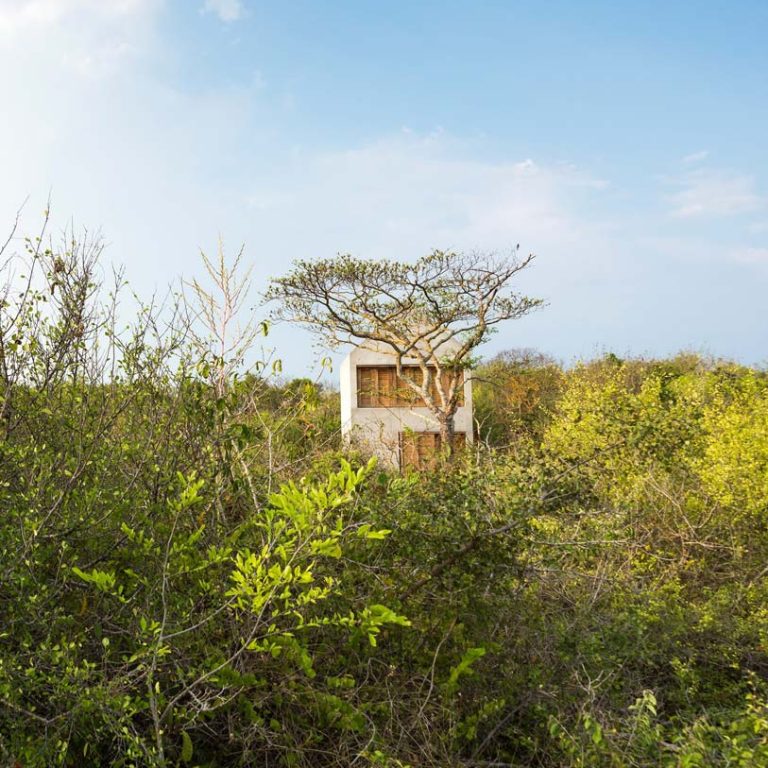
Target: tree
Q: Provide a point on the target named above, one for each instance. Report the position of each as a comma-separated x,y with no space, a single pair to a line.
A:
514,394
434,312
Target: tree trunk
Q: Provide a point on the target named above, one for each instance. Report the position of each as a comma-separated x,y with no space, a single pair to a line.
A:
447,433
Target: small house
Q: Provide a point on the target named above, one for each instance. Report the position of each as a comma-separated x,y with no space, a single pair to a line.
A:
383,416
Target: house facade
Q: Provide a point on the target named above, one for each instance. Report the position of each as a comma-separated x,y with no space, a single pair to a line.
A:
382,416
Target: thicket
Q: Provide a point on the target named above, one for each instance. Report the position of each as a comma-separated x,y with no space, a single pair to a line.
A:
195,573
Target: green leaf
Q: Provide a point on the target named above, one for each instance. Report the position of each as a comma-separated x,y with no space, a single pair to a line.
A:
464,667
186,747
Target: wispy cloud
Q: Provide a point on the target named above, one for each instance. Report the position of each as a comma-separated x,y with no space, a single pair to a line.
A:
17,15
48,40
715,193
696,157
750,255
226,10
408,193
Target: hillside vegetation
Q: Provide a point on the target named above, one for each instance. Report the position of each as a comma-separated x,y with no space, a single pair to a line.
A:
195,573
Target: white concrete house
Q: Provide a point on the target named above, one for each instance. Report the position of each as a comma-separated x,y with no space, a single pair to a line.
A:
385,418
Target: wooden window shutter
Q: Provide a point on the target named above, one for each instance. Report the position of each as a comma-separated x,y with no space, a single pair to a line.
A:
366,387
380,387
405,395
419,450
428,445
445,378
409,453
387,391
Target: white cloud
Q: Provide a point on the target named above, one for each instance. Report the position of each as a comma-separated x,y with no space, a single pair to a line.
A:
47,41
750,255
696,157
20,15
226,10
91,115
715,193
406,194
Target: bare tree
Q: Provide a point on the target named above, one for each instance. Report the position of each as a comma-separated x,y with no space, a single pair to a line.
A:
223,339
433,312
54,325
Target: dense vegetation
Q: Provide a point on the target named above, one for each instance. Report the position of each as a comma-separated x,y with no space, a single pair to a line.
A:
194,574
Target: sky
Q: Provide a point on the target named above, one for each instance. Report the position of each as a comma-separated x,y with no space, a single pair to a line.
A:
625,144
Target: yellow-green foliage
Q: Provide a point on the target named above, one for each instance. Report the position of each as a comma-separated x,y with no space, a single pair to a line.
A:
192,574
734,466
624,436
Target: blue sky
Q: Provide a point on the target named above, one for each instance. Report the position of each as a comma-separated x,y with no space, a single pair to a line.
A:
626,144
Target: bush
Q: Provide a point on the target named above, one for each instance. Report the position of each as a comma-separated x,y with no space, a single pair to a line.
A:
196,574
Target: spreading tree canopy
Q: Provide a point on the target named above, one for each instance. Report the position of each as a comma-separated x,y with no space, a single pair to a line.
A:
433,312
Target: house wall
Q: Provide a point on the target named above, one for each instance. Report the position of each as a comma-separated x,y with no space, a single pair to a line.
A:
376,430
